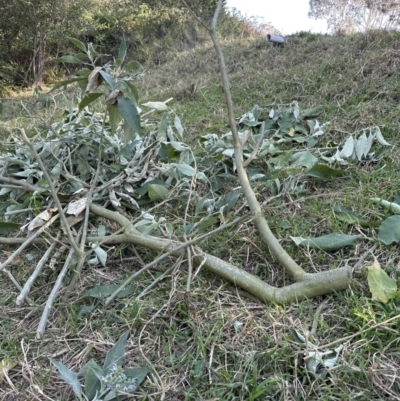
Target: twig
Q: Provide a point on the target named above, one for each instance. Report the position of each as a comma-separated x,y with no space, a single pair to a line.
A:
15,282
50,301
27,242
27,286
363,257
53,193
165,255
317,314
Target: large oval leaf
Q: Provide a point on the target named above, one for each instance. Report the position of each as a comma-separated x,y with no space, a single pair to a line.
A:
390,230
129,113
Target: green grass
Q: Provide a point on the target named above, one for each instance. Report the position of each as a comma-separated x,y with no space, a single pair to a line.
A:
216,342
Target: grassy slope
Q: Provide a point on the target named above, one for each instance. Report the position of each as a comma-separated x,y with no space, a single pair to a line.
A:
191,340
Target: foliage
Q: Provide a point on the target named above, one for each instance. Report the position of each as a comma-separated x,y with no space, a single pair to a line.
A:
104,383
357,15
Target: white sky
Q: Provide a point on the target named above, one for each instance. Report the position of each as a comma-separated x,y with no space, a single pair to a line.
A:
289,16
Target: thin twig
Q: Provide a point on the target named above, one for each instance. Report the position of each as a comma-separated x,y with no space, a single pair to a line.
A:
53,192
27,286
167,254
27,242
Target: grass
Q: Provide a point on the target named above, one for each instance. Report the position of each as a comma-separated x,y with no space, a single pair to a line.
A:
216,342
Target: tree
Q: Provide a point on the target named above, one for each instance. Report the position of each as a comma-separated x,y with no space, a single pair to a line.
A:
357,15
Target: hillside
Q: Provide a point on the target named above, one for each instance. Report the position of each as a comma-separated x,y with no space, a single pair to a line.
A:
216,342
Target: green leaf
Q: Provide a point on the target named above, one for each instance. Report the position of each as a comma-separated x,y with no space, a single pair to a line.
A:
129,113
389,231
116,353
104,291
350,217
138,373
133,64
382,287
304,159
133,89
91,97
7,227
77,43
122,50
330,242
108,78
92,381
68,81
85,309
157,192
69,59
69,377
178,126
114,118
101,254
185,169
1,108
322,171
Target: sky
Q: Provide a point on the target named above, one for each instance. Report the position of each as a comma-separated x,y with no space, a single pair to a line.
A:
289,16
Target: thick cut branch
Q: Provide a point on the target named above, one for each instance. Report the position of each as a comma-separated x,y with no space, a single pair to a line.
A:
310,285
261,223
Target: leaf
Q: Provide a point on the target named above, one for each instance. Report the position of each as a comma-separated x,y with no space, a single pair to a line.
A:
114,118
108,78
101,254
77,43
379,137
7,227
1,108
362,146
104,291
185,169
389,231
350,217
393,207
68,81
330,242
160,106
133,89
157,192
348,148
178,126
84,310
129,113
138,373
382,287
91,97
116,354
69,377
132,65
122,50
92,381
69,59
304,159
322,171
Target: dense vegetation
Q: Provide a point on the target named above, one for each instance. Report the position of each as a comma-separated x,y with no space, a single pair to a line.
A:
215,342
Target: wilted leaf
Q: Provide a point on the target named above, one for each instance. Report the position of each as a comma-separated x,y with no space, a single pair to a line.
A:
330,242
322,171
362,146
69,377
389,231
77,207
348,148
157,192
379,137
94,79
382,287
160,106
